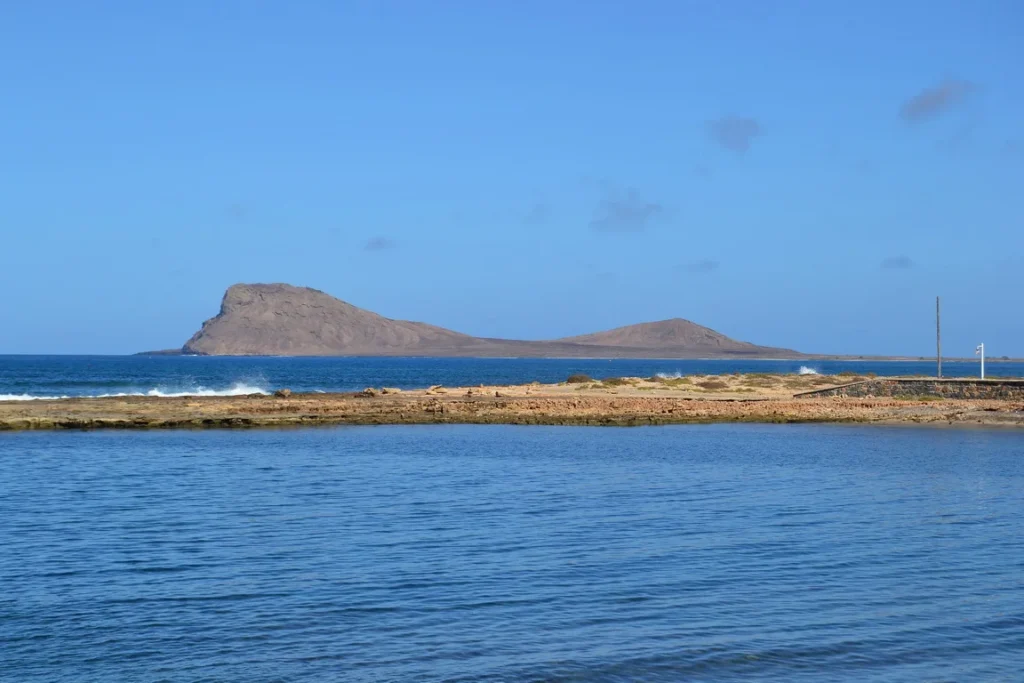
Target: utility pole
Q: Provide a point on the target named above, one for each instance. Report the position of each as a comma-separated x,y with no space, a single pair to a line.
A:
938,337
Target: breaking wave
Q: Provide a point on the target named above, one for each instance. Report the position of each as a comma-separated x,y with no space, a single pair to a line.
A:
804,370
237,389
670,375
28,397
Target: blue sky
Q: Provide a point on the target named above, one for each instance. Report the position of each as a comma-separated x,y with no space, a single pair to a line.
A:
802,174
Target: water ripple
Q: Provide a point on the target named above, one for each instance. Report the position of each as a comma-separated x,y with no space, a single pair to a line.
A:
797,553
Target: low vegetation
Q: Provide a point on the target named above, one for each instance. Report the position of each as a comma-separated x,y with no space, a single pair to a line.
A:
673,381
761,380
579,378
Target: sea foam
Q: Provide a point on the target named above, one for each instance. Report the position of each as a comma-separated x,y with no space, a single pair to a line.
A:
28,397
237,389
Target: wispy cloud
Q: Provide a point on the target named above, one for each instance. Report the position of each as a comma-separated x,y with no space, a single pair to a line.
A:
620,211
538,213
897,263
702,266
936,100
379,244
734,132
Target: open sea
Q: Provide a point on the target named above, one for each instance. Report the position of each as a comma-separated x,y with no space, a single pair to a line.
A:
25,377
501,553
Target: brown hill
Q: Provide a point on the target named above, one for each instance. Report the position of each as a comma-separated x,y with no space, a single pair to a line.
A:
282,320
664,335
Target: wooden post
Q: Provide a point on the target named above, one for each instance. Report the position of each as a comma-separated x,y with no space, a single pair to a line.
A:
938,337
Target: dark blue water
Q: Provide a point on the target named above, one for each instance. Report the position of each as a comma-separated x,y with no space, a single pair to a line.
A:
469,553
54,376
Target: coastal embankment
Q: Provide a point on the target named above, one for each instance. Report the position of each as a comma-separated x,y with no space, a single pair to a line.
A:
616,401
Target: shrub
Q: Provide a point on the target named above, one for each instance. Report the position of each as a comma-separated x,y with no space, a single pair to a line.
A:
579,378
615,381
712,384
847,373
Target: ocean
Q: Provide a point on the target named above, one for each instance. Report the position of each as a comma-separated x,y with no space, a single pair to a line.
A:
500,553
26,377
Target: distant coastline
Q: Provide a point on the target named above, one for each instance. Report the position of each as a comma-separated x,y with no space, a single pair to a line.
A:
799,357
285,320
281,320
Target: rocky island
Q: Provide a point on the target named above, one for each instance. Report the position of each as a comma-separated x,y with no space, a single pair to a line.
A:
283,320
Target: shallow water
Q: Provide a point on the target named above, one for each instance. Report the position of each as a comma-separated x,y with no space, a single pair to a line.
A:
471,553
24,377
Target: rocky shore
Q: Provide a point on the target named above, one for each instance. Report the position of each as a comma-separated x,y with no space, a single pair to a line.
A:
620,401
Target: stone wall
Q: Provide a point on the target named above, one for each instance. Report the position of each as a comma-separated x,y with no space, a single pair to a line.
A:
1003,389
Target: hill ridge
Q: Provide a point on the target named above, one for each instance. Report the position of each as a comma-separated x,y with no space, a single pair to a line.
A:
670,333
280,319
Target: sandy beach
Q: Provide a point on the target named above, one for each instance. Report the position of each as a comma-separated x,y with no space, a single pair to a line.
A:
618,401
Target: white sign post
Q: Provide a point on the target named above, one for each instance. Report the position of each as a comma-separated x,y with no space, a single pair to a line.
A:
980,351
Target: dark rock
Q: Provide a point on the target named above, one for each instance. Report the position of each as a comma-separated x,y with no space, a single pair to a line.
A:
927,389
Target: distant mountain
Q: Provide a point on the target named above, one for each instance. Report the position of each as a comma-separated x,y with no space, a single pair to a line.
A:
668,335
283,320
297,321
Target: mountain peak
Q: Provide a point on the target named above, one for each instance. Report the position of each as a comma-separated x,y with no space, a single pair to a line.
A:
281,319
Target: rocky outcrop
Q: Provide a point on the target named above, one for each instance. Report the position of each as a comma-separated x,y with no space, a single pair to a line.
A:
144,412
970,389
282,320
